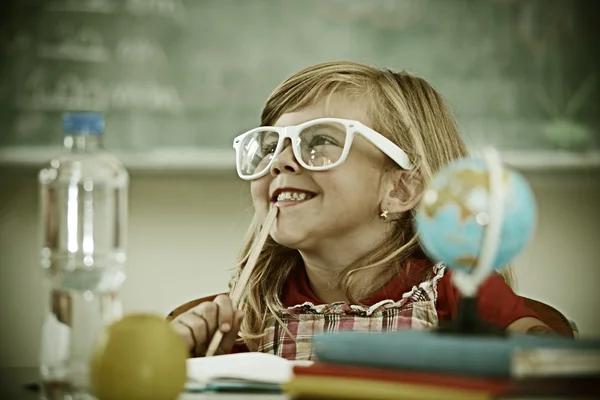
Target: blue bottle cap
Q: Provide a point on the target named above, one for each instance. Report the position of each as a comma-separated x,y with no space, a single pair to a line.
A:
83,123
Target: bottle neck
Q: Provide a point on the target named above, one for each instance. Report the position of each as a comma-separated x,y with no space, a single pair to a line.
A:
82,143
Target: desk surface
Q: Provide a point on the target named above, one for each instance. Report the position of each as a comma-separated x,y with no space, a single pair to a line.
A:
14,380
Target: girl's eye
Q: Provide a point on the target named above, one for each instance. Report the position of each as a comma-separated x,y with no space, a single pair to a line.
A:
324,135
268,148
320,140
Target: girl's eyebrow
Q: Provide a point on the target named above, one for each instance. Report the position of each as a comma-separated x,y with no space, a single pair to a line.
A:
320,126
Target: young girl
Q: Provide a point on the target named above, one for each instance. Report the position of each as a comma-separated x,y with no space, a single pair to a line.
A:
345,151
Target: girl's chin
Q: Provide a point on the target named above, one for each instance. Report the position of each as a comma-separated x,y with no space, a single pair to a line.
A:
294,239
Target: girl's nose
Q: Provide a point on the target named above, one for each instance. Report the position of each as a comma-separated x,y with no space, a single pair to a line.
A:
285,161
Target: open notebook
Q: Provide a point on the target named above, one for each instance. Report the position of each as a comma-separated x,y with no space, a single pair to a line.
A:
240,371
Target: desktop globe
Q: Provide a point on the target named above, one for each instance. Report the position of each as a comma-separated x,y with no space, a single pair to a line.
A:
455,214
475,216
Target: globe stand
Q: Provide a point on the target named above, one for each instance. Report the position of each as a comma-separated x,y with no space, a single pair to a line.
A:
468,321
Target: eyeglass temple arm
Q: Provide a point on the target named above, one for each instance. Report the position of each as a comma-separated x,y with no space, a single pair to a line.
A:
388,147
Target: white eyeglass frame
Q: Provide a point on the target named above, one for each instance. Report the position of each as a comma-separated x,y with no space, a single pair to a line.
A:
292,132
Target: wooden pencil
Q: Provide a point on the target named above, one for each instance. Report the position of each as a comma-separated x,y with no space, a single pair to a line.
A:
240,286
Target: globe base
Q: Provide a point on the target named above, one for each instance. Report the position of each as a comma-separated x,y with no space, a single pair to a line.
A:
468,321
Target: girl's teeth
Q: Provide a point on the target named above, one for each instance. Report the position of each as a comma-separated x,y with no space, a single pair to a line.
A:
292,196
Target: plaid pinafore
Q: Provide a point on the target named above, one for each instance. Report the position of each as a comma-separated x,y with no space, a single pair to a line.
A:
415,310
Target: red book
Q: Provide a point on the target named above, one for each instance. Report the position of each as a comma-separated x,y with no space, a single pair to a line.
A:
495,387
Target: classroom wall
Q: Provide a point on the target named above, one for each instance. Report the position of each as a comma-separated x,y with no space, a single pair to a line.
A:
185,232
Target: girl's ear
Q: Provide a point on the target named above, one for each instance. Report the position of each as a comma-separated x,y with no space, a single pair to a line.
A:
403,190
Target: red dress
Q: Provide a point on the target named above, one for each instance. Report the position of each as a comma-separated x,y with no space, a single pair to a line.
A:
408,301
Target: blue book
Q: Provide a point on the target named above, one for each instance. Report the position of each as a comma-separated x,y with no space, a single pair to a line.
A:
473,355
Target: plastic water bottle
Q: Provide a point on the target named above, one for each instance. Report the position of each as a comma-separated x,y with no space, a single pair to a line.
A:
84,213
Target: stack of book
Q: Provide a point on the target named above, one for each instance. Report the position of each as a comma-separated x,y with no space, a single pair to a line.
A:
430,365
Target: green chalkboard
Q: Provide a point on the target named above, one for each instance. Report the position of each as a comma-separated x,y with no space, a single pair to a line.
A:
195,73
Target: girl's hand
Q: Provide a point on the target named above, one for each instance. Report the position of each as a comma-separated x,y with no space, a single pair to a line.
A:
198,325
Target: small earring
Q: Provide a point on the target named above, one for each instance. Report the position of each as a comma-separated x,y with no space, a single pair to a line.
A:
384,215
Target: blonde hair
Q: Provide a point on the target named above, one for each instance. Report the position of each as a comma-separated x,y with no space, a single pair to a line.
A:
401,106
